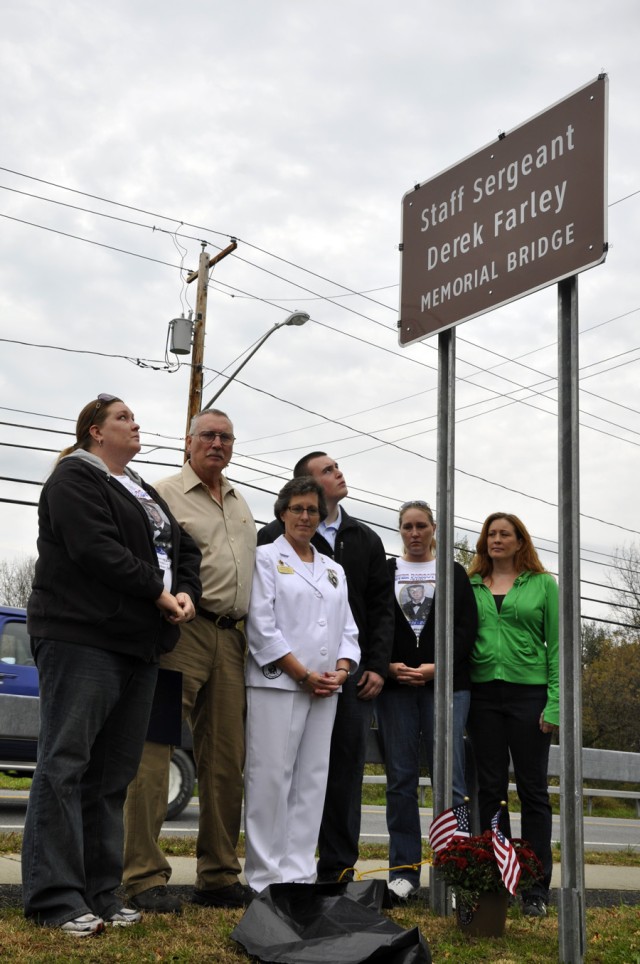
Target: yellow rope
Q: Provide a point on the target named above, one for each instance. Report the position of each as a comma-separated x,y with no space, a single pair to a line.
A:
359,875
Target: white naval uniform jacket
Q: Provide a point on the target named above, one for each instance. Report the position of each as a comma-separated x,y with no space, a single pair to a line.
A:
297,610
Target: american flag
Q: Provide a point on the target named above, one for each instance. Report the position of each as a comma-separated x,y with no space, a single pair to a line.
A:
450,824
506,856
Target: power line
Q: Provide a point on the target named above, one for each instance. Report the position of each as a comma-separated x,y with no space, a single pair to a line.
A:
393,444
610,622
611,605
198,227
376,505
97,244
249,244
78,351
508,401
288,281
148,363
21,411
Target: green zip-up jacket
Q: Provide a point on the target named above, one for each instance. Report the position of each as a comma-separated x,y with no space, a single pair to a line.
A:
519,644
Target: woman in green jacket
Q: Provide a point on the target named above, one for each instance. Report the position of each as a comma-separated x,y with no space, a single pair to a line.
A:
515,685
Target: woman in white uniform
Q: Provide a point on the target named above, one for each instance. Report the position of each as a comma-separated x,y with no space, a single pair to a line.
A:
303,643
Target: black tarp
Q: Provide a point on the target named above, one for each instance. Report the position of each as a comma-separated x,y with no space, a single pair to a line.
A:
336,923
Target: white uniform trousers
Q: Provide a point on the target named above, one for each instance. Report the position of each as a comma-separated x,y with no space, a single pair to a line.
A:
288,738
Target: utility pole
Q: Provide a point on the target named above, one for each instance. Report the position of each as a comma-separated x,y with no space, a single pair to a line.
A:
202,275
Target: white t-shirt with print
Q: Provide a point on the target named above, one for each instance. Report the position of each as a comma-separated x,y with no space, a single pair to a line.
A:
415,585
158,523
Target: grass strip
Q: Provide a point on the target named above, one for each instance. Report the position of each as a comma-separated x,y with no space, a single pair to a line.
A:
202,934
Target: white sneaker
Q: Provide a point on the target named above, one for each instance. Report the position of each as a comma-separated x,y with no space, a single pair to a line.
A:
85,926
124,917
401,889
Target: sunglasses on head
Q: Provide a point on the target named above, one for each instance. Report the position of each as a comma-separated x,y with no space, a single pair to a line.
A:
415,504
104,400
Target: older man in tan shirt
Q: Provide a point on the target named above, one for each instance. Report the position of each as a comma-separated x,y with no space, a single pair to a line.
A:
210,655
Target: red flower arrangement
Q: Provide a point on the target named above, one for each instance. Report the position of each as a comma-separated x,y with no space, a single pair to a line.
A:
468,864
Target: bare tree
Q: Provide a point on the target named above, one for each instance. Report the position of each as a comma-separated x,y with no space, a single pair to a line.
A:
16,577
625,583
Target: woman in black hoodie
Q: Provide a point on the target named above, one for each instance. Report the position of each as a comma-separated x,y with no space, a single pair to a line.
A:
111,588
405,705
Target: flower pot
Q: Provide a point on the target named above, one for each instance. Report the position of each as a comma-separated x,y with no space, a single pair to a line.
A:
487,918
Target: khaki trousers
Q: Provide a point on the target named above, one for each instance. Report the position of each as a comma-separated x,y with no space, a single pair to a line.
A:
211,661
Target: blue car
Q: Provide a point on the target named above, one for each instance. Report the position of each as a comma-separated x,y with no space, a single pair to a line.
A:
20,714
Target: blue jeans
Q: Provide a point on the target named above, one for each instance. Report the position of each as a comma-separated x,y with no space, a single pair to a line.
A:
340,829
94,712
405,721
504,718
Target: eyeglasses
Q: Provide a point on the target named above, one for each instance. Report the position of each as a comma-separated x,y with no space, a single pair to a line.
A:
209,437
104,400
415,504
311,510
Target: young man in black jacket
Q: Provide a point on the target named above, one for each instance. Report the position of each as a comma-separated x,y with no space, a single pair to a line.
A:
361,553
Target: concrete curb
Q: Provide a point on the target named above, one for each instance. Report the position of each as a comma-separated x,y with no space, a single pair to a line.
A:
597,877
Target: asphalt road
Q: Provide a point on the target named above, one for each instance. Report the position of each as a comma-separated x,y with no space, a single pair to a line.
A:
599,833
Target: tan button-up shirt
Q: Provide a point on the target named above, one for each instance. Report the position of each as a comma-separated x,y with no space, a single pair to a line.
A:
226,537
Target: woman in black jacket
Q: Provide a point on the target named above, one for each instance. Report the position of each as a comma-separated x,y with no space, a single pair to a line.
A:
405,705
111,588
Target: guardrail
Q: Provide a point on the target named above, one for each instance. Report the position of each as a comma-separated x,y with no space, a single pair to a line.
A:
612,765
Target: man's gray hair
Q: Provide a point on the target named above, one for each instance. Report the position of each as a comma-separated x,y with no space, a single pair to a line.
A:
207,411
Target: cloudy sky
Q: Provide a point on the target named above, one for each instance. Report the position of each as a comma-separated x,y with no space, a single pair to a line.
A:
134,131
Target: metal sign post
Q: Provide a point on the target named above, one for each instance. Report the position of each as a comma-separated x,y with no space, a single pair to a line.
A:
572,927
443,682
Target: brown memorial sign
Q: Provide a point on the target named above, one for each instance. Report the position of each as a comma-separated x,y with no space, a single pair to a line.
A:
520,214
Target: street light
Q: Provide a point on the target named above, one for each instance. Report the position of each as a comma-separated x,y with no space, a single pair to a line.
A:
295,318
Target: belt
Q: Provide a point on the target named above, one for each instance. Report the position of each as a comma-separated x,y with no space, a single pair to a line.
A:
223,622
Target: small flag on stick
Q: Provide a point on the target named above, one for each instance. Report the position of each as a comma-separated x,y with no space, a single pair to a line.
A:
450,824
506,856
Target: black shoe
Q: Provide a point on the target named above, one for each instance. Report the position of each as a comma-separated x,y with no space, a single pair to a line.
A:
156,900
534,906
235,895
